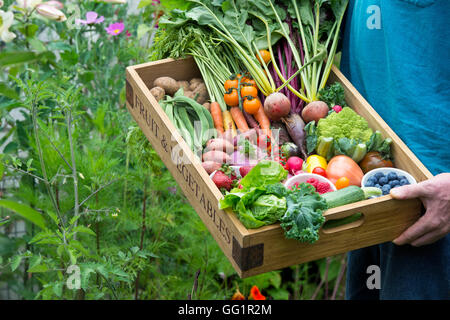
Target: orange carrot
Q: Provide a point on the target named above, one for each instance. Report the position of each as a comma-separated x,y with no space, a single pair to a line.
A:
239,119
264,122
216,113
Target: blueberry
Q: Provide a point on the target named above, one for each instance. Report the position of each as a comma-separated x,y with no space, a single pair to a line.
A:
386,188
394,183
400,177
392,176
383,180
369,183
403,182
372,180
377,186
379,175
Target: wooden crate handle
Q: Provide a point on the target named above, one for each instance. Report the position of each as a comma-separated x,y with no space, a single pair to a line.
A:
371,210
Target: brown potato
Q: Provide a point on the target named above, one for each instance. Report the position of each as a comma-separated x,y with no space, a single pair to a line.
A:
169,84
184,85
207,105
158,93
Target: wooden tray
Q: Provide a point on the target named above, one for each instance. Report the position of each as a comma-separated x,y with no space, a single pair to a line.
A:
265,249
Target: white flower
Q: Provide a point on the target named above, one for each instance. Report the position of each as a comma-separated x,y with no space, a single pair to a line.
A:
28,4
50,12
6,20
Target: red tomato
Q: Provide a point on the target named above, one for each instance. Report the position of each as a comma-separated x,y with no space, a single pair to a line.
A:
320,171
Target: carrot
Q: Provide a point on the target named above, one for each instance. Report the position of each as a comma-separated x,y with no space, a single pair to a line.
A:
216,113
228,123
239,119
264,122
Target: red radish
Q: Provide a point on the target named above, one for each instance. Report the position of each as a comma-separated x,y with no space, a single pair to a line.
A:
277,106
314,111
294,164
337,108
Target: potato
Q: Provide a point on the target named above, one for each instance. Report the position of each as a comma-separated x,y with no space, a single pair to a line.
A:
202,93
220,145
211,166
194,83
216,156
184,85
207,106
314,111
169,84
158,93
189,94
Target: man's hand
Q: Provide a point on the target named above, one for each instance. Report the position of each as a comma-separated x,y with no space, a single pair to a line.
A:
435,223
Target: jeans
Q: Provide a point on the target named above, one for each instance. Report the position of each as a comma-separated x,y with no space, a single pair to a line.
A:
406,272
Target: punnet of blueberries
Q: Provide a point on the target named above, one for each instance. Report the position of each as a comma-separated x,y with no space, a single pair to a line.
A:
386,181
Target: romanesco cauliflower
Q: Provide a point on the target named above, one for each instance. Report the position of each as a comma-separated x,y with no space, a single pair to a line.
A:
346,123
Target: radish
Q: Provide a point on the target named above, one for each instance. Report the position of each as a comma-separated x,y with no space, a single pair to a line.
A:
294,164
277,106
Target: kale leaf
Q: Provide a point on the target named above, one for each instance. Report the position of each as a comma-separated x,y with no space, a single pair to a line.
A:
303,217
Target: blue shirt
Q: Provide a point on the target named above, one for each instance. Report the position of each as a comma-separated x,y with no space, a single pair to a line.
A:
397,55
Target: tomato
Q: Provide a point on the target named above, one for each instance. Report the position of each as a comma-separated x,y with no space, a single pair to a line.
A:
320,171
374,160
342,183
247,91
231,97
230,83
251,106
265,55
343,166
250,82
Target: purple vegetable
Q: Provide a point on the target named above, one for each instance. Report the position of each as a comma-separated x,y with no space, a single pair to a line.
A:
283,135
295,126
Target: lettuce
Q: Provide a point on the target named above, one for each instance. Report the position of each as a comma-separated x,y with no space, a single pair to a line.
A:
264,173
256,206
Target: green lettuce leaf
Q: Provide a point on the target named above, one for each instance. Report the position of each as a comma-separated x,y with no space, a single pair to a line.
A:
264,173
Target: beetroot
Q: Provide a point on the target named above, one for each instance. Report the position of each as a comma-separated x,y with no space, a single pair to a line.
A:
277,106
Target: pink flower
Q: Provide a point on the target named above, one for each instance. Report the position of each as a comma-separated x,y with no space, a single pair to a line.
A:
115,28
91,18
128,34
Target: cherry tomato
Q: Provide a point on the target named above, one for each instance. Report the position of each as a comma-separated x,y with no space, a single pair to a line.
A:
251,106
249,91
265,55
231,97
250,82
320,171
230,83
342,182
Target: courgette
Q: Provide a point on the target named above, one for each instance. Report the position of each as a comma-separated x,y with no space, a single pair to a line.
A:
348,195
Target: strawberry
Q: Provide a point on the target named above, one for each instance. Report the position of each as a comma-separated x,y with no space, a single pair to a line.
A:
244,170
229,171
221,180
